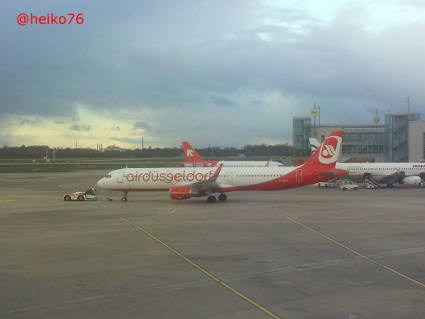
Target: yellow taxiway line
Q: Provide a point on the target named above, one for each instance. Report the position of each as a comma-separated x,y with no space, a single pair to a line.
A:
204,271
357,253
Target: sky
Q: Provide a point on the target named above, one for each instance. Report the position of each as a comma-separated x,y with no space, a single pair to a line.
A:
217,72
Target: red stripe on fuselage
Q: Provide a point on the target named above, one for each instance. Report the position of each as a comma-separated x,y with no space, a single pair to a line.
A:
139,190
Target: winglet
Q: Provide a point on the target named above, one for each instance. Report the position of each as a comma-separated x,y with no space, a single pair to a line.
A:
190,154
217,172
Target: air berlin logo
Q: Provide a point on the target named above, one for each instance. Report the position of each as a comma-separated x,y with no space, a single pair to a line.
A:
330,150
189,153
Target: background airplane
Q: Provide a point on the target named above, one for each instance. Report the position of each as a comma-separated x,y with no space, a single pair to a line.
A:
185,182
385,173
193,157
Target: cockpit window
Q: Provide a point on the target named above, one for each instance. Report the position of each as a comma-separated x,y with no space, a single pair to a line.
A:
108,176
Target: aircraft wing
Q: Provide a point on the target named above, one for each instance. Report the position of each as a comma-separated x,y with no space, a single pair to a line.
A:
395,177
398,176
206,184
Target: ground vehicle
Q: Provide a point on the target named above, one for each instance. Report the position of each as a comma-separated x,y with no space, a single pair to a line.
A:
89,194
348,185
326,184
370,184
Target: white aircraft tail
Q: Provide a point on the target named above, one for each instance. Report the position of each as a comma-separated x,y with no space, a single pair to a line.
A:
314,144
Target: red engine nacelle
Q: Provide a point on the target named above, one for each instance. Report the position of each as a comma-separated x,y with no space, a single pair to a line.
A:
182,192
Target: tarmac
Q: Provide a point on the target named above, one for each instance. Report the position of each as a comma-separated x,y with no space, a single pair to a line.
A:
310,252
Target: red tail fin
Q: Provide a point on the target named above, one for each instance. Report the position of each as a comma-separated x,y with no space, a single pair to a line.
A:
327,154
190,154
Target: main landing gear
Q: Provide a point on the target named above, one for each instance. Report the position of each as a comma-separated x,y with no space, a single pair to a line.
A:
124,199
211,199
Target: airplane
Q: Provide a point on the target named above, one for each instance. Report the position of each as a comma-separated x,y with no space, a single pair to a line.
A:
184,183
193,157
384,173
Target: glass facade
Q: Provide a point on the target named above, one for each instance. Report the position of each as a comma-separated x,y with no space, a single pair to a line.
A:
397,135
301,130
387,142
365,142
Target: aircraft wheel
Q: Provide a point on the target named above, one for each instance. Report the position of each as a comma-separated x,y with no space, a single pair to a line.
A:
211,199
222,197
124,199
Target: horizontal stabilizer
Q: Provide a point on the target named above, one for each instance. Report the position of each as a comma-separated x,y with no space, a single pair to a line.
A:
328,173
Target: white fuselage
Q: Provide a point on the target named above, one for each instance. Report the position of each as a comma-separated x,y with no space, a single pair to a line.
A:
244,164
381,171
157,179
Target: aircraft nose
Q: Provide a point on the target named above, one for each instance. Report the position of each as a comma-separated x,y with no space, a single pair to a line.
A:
101,183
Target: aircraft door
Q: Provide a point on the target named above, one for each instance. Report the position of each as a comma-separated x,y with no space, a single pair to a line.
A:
121,175
299,175
230,176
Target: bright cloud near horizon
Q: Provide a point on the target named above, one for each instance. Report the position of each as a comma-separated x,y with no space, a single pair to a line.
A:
225,73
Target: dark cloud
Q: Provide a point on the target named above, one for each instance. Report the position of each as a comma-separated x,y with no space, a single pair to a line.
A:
222,101
142,126
198,55
76,127
116,128
259,102
179,60
30,122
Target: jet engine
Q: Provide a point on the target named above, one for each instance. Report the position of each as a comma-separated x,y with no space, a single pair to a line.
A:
185,192
411,180
180,192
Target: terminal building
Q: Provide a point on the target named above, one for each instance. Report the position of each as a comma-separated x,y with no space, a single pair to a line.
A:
400,139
